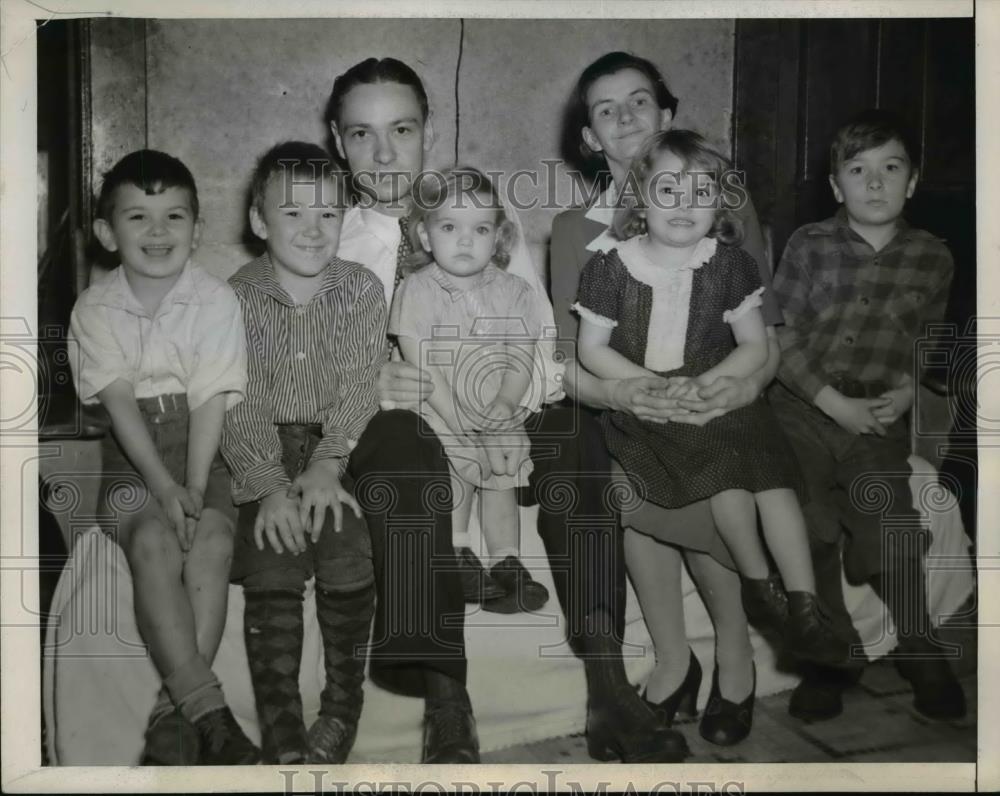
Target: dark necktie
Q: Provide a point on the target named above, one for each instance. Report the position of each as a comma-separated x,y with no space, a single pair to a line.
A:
405,248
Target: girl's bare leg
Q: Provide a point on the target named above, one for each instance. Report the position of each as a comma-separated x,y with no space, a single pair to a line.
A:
499,520
787,538
735,515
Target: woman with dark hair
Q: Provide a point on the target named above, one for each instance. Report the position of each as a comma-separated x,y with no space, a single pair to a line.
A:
619,101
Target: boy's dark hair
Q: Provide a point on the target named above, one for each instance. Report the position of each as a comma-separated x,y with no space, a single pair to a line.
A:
464,184
695,155
871,129
150,171
611,64
374,70
305,162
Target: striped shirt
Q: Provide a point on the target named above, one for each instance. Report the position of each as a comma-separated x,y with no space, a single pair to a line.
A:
309,363
852,313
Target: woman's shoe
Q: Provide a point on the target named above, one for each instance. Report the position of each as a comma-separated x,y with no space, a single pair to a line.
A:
809,634
684,699
725,723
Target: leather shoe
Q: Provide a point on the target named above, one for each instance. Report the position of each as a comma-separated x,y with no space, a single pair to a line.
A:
684,699
330,740
522,592
626,728
477,585
223,742
816,699
171,741
449,732
809,634
765,603
937,694
725,723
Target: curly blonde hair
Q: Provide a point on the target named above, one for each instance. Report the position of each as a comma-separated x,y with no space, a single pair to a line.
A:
433,188
696,155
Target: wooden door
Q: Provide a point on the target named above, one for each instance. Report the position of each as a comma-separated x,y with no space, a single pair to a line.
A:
797,81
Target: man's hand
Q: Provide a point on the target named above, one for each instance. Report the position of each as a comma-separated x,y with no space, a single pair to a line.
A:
179,507
498,415
319,489
900,402
403,386
507,450
278,519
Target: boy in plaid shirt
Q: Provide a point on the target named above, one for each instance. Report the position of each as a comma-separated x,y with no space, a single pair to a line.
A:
857,291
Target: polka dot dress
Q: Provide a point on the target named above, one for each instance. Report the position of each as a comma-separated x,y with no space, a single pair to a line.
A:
674,464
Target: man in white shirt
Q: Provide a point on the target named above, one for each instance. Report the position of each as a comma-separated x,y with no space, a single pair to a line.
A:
381,125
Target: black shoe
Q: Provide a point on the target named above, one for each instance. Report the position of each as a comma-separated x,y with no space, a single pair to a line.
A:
449,732
937,694
626,728
223,742
725,723
330,740
765,603
684,699
819,696
171,741
522,592
477,585
809,634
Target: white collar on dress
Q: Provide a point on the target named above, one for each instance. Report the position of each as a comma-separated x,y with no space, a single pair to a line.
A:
655,274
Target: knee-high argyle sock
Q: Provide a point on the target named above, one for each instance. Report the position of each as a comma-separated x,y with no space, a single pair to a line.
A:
345,624
272,625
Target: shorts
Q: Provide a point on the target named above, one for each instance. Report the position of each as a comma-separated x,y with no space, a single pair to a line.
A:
123,496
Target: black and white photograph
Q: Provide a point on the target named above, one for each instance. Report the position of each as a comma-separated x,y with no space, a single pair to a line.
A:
553,394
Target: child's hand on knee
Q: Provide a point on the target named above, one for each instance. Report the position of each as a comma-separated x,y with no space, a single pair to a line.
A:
198,500
899,402
179,507
192,513
278,520
319,489
498,415
854,415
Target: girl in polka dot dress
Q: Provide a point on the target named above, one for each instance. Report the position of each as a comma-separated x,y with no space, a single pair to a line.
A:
678,299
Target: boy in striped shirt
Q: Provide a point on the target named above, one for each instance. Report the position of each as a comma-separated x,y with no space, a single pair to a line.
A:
315,327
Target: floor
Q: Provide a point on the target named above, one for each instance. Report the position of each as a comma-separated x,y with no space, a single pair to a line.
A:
878,725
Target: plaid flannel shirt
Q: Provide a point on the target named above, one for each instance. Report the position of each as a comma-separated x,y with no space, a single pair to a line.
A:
853,313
